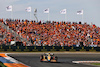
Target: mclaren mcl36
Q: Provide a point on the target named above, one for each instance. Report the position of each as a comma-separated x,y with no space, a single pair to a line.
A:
48,57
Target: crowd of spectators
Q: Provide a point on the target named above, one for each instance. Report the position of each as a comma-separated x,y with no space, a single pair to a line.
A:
52,33
6,36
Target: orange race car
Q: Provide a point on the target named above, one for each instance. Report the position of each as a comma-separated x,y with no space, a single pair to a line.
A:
48,57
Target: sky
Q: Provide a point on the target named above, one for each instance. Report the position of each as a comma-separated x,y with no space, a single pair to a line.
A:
91,10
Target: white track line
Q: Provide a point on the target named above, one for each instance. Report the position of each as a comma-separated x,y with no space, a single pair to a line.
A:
85,61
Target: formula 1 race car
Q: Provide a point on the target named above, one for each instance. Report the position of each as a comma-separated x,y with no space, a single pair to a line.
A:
48,57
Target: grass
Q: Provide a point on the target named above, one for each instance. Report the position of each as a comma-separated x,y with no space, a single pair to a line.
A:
95,64
2,65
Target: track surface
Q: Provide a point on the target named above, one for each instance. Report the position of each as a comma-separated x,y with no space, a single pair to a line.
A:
64,59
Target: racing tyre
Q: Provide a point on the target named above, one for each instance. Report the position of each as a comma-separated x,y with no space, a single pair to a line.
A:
56,58
41,57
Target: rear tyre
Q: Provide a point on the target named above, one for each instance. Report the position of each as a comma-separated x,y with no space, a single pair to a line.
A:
41,57
56,58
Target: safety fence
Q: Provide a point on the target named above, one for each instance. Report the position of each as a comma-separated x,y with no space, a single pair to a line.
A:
46,48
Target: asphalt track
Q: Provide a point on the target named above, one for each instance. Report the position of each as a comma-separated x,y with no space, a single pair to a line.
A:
64,59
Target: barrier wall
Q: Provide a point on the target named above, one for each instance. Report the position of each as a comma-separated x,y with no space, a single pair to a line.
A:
46,48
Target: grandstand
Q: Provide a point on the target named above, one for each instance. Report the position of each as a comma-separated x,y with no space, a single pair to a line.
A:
51,33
